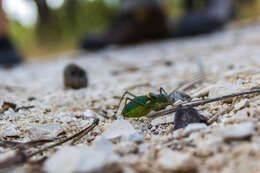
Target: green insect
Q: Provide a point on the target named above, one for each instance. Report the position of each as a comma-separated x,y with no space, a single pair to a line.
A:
139,106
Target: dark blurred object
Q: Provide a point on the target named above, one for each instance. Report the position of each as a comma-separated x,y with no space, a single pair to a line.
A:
9,56
186,116
7,105
131,26
145,20
203,17
75,77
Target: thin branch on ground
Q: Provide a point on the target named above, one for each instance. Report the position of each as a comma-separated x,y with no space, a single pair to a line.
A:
24,107
23,145
201,102
22,157
77,135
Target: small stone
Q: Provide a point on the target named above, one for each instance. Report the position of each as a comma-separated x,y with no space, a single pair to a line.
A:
66,117
242,115
185,116
75,77
126,147
6,155
78,159
194,127
10,114
193,136
135,137
31,98
216,162
162,120
223,88
127,169
92,114
208,146
202,92
143,147
89,114
242,104
255,77
176,161
43,131
9,131
239,117
122,130
8,105
179,133
237,132
37,132
102,144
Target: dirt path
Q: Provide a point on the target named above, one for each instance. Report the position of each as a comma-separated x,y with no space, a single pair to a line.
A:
231,60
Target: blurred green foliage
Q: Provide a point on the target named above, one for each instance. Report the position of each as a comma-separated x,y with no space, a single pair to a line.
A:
67,24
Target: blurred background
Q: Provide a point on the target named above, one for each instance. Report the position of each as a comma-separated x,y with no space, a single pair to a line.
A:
43,27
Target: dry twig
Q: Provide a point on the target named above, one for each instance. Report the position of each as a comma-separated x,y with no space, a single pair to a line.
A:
23,157
23,145
77,135
201,102
24,107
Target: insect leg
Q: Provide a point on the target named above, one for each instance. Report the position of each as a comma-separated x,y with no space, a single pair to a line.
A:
162,91
121,99
127,92
162,106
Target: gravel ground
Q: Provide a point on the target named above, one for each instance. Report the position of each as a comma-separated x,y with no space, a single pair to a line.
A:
231,144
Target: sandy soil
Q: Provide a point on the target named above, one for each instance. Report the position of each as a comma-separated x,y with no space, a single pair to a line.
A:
231,61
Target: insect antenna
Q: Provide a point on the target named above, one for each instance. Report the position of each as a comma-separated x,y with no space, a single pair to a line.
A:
176,94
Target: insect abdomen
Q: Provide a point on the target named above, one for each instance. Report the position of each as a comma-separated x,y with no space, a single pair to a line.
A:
137,112
133,109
